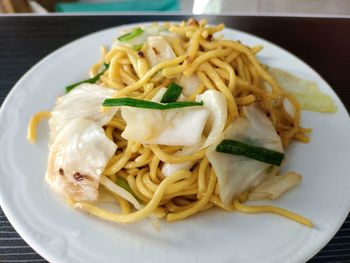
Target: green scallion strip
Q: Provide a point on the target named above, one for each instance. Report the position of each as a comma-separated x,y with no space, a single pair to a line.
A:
254,152
148,104
91,80
127,37
172,93
125,185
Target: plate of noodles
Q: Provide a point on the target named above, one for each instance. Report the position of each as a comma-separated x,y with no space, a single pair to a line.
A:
174,142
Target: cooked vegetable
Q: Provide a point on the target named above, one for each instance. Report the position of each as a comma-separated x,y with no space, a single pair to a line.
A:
90,80
82,102
158,50
307,92
159,95
216,103
190,84
274,186
135,63
124,184
182,126
77,158
172,93
129,36
236,173
254,152
148,104
116,189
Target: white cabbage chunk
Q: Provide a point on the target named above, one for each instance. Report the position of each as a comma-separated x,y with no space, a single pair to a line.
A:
216,103
307,92
158,50
189,84
236,173
181,126
82,102
77,159
274,186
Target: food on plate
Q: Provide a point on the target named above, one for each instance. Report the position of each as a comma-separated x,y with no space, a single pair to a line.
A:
173,121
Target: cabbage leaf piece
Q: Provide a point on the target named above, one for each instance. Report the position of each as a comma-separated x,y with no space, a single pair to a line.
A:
77,158
274,186
158,50
307,92
237,174
181,126
82,102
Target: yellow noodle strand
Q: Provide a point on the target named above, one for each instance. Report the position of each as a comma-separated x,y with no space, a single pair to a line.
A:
199,204
161,155
272,209
33,123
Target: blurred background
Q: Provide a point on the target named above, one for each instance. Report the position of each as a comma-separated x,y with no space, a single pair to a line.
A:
287,7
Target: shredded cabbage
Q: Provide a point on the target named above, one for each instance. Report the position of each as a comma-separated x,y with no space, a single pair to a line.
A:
307,92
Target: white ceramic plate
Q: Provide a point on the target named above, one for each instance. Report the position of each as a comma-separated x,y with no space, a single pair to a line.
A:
61,234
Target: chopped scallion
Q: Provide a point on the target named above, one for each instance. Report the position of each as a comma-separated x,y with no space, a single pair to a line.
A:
148,104
254,152
91,80
172,93
127,37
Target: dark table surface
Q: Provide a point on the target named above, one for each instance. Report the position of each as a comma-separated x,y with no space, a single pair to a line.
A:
323,43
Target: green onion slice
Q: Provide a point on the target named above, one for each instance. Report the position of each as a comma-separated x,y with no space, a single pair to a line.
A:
172,93
254,152
91,80
148,104
125,185
127,37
